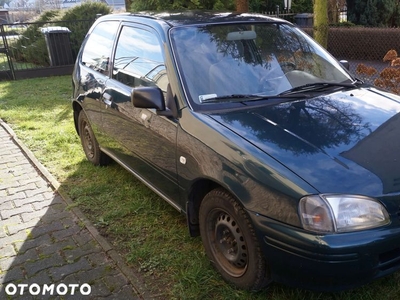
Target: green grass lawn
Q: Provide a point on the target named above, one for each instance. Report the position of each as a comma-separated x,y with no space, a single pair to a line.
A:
145,230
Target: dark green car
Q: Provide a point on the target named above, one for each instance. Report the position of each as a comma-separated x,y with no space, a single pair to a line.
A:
285,164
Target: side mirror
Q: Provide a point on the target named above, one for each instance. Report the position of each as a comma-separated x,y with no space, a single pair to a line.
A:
148,97
345,64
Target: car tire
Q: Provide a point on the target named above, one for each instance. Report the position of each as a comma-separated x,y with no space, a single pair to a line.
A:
230,241
89,143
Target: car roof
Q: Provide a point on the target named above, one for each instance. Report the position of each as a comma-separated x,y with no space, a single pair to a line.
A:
191,17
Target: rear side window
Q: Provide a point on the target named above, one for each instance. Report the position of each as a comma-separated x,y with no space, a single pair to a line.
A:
138,59
97,50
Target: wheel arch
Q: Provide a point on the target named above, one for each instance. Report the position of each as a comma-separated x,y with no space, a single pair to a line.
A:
198,191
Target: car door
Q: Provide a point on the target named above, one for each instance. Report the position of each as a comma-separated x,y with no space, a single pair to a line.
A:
141,140
93,70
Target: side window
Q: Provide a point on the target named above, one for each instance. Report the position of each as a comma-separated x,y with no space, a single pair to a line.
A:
138,59
97,50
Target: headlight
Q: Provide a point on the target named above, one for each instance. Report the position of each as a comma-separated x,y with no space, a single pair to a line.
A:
341,213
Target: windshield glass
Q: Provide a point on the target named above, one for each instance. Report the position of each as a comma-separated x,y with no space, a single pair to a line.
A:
249,59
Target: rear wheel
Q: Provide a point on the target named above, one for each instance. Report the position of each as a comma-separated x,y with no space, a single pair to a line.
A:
230,242
89,142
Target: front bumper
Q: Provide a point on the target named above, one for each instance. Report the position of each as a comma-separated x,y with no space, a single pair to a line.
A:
329,262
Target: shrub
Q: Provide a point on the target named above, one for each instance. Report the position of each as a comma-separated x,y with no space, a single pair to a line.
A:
159,5
343,24
389,78
31,46
86,11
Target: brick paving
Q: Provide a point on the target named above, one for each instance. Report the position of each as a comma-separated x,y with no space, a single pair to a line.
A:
46,250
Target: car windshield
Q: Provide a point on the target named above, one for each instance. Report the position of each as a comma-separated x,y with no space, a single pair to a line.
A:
264,59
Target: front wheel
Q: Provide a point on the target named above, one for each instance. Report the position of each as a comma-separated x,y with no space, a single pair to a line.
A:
230,242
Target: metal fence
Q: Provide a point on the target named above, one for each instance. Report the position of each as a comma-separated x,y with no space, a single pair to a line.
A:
364,48
286,14
40,49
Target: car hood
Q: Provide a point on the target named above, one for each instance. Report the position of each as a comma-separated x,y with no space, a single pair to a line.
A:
344,142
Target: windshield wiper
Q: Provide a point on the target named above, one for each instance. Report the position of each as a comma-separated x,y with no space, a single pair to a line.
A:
317,86
250,97
358,82
230,98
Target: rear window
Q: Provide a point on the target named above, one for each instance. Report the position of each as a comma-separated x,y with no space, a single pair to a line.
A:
97,50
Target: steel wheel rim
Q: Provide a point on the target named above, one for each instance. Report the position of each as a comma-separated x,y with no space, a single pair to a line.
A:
87,138
228,243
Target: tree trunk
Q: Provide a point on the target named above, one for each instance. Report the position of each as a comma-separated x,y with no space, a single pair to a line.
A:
128,4
321,27
242,6
333,16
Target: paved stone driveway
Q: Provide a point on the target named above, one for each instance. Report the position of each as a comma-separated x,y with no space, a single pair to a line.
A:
45,248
